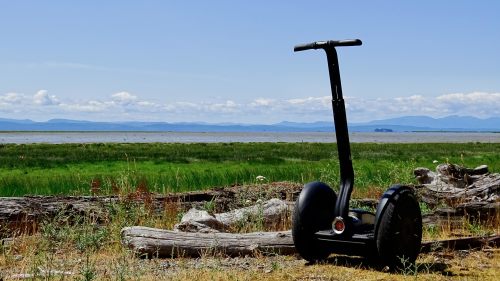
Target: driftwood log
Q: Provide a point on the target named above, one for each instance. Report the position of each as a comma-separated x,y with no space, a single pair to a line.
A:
18,213
24,214
456,185
457,192
465,243
271,214
152,242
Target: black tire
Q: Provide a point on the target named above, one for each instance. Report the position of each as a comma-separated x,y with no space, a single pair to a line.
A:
399,234
313,212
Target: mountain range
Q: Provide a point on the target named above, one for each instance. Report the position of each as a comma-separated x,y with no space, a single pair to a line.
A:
400,124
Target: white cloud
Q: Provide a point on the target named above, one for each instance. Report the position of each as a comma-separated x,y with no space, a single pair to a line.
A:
480,103
262,102
12,98
124,98
126,106
179,107
88,106
147,104
12,103
323,101
43,98
228,106
308,104
476,104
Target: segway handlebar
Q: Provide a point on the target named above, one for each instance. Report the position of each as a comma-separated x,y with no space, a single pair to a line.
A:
324,44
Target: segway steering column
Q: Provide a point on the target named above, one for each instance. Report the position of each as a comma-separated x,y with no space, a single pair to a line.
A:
341,210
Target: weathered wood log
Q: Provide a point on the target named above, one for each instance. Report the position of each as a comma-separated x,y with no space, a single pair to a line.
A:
454,184
23,214
484,212
13,208
272,214
467,193
465,243
153,242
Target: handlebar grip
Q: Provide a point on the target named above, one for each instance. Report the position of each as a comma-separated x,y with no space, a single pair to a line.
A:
348,42
303,47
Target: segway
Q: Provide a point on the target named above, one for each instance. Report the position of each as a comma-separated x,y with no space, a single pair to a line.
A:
322,221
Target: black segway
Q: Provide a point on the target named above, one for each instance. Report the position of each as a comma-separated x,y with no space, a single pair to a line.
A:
322,221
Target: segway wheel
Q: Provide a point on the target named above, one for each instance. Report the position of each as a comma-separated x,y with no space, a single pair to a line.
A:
399,233
313,212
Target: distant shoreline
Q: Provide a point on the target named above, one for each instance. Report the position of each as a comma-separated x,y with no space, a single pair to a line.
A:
201,132
472,132
59,137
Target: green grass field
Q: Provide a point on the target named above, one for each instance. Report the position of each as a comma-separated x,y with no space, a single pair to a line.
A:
70,169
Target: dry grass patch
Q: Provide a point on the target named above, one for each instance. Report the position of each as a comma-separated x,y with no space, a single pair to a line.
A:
80,249
113,264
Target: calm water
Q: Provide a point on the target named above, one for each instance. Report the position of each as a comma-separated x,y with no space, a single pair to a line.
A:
145,137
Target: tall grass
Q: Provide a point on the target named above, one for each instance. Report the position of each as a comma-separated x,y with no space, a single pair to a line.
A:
72,168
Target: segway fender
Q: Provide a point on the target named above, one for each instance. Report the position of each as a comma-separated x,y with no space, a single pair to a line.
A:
386,197
398,227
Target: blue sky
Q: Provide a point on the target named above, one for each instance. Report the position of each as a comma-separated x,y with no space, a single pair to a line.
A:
232,61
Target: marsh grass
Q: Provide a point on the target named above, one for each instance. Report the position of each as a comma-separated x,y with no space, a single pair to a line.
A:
71,169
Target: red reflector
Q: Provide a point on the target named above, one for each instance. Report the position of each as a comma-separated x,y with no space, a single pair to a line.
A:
338,225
